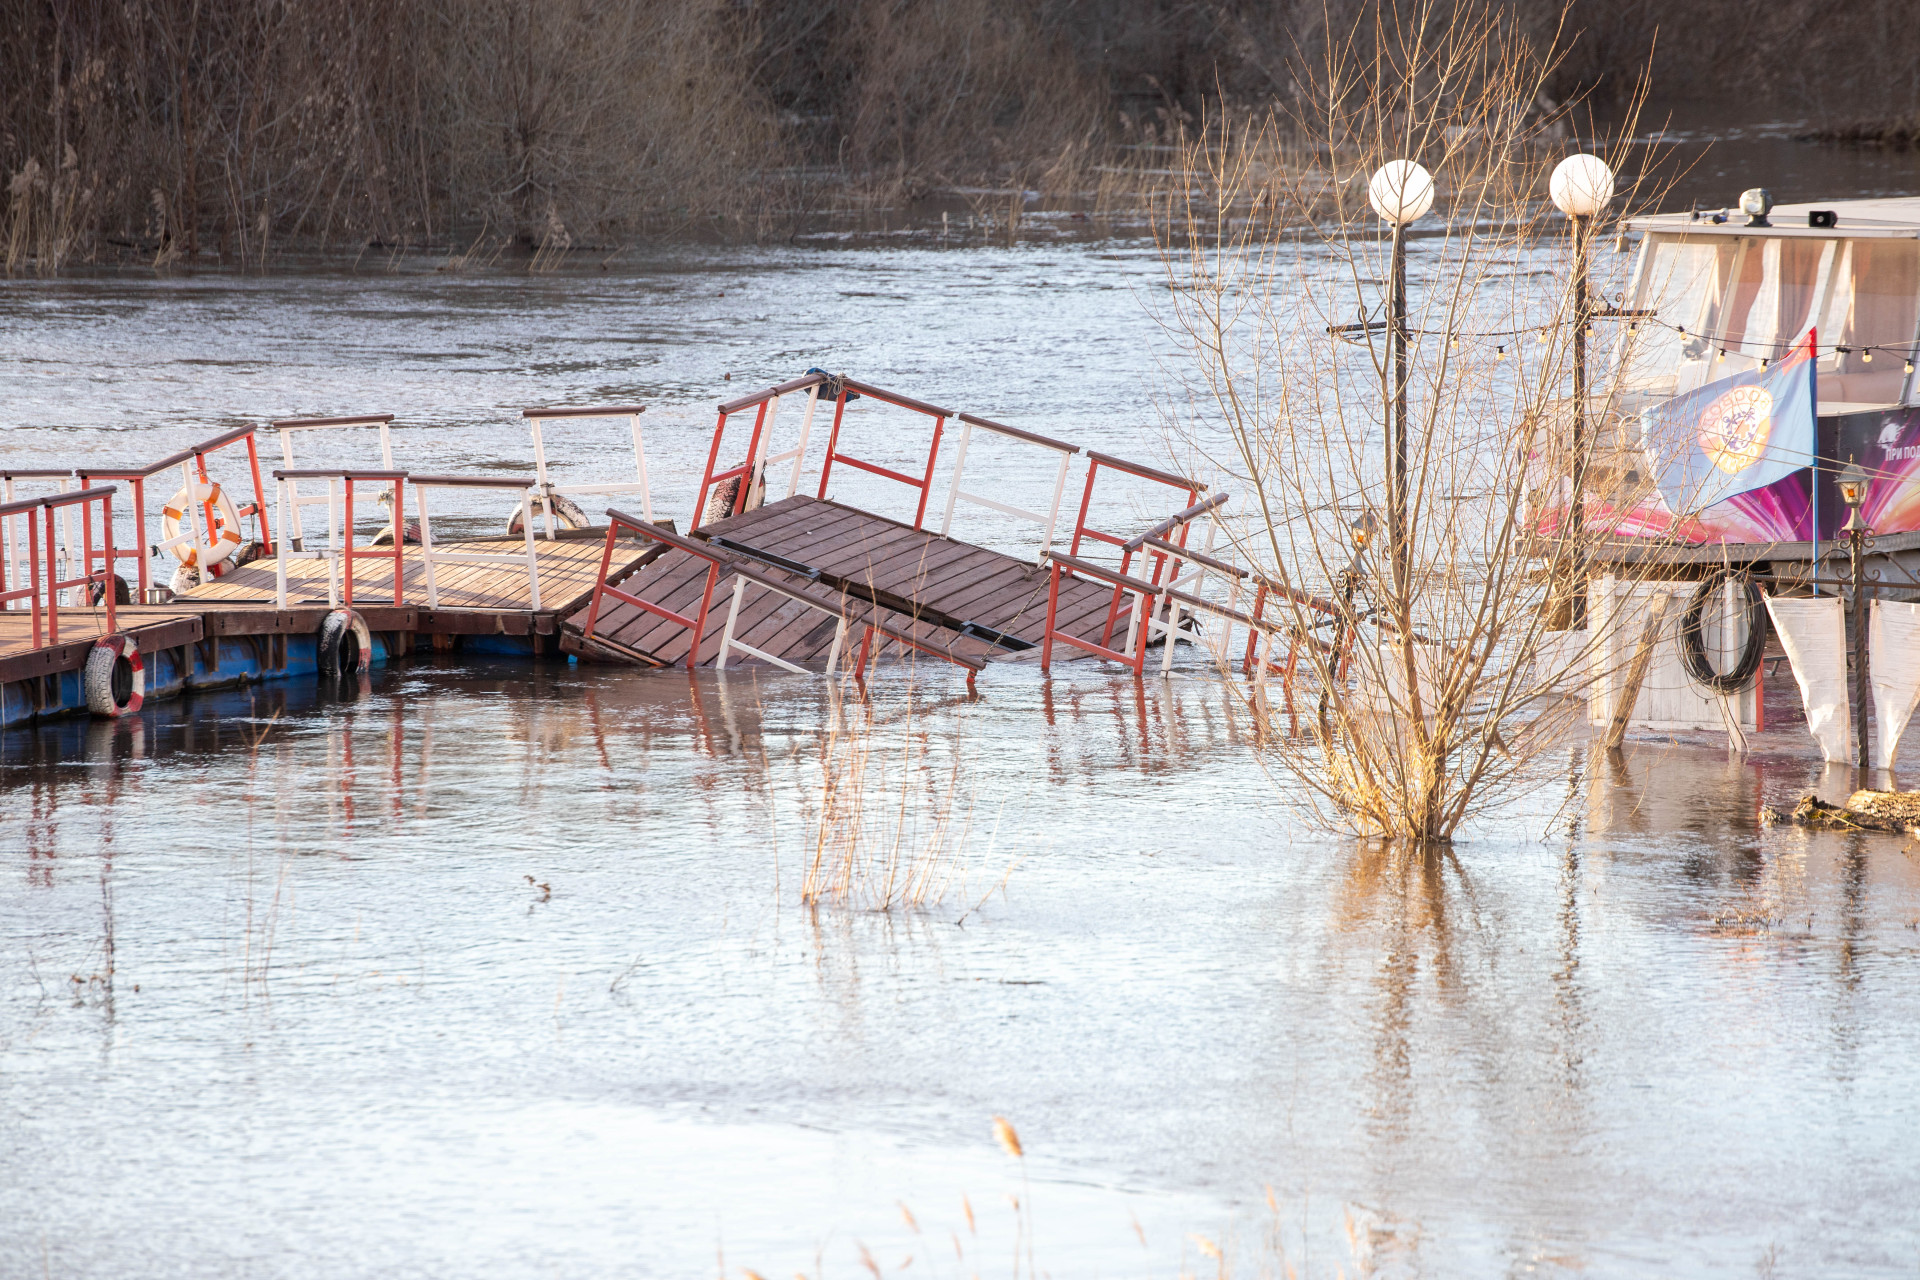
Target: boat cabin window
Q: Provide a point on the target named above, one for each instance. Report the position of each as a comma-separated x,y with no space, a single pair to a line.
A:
1742,299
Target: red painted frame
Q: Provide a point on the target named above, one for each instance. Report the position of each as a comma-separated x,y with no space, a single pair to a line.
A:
618,520
1058,565
54,585
925,483
1081,529
348,552
758,399
31,592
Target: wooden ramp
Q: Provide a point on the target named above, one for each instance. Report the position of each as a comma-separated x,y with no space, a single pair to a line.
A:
949,595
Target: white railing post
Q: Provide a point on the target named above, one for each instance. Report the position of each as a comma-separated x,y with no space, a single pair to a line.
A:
334,521
959,470
733,617
426,543
800,450
280,546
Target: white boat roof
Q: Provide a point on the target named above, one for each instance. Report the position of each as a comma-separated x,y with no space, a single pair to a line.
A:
1890,217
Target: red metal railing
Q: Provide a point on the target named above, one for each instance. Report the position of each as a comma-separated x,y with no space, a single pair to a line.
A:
13,569
925,483
346,551
44,583
1083,530
758,400
136,478
618,520
1137,634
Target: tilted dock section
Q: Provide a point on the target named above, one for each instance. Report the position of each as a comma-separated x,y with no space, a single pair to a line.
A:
792,580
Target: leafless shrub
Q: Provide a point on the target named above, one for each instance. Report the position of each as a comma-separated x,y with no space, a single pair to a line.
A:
1445,674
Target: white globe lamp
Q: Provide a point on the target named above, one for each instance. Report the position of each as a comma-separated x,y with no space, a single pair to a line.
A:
1581,186
1400,192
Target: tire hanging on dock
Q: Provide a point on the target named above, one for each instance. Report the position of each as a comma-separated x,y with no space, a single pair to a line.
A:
114,679
1693,646
346,645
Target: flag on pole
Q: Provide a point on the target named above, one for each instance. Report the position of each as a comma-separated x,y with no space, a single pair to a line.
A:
1732,436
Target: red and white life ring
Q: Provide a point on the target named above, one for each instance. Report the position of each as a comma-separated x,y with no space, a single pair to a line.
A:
225,539
115,679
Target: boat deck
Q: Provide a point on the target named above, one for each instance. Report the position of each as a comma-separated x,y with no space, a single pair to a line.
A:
953,596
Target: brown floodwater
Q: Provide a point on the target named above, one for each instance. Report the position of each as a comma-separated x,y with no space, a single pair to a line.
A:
490,969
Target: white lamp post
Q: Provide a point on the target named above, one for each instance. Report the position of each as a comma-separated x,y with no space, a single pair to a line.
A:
1580,187
1400,192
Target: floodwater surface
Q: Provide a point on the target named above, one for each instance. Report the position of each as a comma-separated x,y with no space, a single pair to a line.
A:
492,969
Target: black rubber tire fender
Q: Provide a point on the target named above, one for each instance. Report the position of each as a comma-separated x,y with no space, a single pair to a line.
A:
115,679
346,645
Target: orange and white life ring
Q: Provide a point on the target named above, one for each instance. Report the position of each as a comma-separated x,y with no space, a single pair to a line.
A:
225,538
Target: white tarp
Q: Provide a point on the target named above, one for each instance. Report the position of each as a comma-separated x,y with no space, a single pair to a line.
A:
1893,666
1814,634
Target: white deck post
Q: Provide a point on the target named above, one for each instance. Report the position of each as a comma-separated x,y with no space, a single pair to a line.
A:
426,543
959,470
280,547
800,450
733,616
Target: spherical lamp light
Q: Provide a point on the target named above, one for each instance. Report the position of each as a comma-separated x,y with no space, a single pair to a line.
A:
1581,186
1400,192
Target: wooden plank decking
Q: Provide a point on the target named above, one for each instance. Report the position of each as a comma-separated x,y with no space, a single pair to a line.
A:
925,584
568,569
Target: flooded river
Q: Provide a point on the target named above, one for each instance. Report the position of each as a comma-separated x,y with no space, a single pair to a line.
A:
501,970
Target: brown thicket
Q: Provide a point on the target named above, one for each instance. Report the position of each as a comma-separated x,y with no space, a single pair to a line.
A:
230,128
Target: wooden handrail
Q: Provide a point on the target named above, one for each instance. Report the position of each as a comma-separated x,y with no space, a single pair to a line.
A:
600,411
1030,436
785,388
361,420
336,473
1145,472
469,482
890,397
1177,519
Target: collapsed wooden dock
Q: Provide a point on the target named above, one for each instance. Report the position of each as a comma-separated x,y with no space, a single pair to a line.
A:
796,581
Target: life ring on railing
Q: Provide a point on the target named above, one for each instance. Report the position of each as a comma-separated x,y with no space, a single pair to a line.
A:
346,645
226,524
114,678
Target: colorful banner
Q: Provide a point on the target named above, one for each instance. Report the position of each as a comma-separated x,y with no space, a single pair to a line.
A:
1733,436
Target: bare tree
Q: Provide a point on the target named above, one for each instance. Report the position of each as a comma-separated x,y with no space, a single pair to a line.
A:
1429,616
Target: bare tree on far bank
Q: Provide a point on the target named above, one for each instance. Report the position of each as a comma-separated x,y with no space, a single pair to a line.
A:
185,131
1438,665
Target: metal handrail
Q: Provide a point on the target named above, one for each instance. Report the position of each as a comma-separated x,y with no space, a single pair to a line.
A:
639,484
955,493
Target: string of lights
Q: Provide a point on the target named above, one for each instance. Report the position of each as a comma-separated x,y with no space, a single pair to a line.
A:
1723,344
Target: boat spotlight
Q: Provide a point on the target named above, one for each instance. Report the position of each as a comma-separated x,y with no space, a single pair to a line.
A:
1756,203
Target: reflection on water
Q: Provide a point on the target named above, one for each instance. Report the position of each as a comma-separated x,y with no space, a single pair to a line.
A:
506,970
503,969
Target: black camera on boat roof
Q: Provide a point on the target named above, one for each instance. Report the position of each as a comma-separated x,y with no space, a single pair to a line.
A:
1823,218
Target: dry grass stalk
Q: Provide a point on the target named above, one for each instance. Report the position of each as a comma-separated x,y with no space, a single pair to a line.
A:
893,826
1441,685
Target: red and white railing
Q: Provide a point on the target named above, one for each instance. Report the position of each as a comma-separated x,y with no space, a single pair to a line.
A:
292,500
924,484
955,494
432,556
752,473
40,566
1084,531
719,564
604,590
539,418
197,518
340,552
